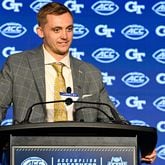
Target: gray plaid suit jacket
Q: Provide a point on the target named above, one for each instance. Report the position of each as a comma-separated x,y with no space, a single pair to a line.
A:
22,84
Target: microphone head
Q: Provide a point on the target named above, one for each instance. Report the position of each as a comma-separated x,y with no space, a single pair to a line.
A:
68,90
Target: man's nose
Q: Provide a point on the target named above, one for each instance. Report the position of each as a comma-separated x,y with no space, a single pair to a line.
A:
64,34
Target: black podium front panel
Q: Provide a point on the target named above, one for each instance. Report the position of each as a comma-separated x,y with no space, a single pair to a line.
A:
73,155
73,150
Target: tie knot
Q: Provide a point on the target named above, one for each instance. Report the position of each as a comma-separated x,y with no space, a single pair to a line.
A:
58,67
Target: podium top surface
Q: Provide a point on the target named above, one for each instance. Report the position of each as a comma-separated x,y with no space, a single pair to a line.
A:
146,136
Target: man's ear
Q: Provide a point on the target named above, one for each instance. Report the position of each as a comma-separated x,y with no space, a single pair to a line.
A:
39,31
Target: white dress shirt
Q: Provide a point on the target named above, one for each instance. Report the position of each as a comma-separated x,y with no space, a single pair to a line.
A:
50,75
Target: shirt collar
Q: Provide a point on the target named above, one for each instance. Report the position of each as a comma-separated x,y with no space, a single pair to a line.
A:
49,59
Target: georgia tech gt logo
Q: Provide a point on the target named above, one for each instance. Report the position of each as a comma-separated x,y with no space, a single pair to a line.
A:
135,32
160,78
12,5
134,102
73,6
135,79
132,6
161,126
134,54
103,30
105,8
160,31
9,50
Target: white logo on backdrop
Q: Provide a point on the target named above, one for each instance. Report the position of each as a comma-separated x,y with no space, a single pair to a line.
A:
159,103
135,102
117,161
6,52
159,56
79,31
37,4
34,160
12,5
135,32
161,126
107,79
132,6
115,101
105,55
73,6
105,8
161,152
103,30
135,79
12,30
139,122
160,78
159,8
160,31
134,54
75,53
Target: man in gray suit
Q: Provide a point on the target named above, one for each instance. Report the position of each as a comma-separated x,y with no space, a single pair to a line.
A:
28,77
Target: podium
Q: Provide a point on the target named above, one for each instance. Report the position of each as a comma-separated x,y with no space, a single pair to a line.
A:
77,143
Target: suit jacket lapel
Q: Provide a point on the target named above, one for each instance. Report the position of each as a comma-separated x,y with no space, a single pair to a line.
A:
77,76
36,62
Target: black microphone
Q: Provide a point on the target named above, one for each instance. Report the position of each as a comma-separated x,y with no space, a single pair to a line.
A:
30,109
115,115
69,101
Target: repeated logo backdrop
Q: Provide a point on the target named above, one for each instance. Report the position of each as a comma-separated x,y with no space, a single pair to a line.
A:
125,39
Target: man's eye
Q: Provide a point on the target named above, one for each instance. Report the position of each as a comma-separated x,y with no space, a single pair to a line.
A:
56,30
70,29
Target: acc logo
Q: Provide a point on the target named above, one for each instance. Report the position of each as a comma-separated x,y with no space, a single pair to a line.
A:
159,56
11,5
161,152
135,32
8,51
161,126
139,122
133,54
160,31
115,101
105,7
12,30
159,8
36,5
160,78
79,31
73,6
159,103
135,79
105,55
34,160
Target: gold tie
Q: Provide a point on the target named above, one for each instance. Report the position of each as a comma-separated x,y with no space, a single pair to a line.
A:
60,113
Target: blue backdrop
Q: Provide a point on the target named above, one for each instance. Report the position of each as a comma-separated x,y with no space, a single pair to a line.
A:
124,39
